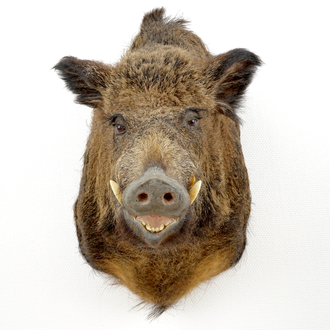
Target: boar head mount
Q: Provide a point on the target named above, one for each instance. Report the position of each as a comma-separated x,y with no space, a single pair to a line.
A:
164,198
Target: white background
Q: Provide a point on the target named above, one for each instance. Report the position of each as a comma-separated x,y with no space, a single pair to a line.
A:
283,279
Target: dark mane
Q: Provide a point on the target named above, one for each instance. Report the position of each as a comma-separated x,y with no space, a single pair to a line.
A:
156,28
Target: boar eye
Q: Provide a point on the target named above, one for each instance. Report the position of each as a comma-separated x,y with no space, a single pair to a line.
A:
192,122
120,129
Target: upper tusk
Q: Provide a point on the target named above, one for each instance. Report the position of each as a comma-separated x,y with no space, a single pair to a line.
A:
193,192
116,190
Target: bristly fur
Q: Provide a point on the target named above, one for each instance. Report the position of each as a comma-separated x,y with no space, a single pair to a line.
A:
158,29
166,71
158,15
155,311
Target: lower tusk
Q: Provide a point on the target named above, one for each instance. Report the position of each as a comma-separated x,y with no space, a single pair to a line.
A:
193,192
116,190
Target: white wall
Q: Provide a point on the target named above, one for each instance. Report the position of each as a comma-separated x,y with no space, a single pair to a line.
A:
283,280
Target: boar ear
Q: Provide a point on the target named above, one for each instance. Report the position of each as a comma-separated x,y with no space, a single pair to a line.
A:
230,75
86,79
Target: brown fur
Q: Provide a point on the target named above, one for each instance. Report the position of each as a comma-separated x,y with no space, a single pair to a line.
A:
166,71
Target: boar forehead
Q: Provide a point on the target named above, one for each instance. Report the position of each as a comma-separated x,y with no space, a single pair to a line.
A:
158,80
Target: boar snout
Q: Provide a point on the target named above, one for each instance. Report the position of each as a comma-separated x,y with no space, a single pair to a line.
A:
155,204
155,193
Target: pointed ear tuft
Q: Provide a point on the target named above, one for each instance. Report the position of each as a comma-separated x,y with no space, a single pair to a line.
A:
230,74
86,79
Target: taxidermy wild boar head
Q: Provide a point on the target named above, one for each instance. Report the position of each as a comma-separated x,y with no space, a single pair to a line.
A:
164,198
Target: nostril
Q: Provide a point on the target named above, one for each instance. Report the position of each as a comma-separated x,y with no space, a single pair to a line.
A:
143,197
168,198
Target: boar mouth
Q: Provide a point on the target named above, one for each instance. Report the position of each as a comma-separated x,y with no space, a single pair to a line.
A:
153,229
154,206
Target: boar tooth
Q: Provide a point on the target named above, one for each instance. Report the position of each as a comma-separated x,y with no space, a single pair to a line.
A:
116,190
148,227
193,192
162,226
143,223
